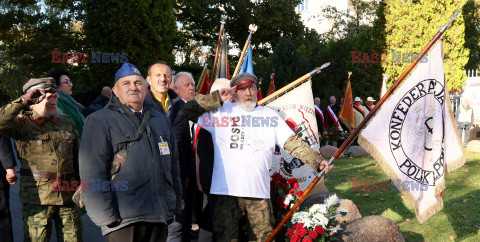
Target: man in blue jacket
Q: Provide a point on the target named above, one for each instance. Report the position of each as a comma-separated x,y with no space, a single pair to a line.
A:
145,194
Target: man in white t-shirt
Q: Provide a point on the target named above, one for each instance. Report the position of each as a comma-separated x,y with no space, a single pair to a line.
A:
244,138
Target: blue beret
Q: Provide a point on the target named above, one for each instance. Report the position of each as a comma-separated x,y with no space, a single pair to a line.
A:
127,69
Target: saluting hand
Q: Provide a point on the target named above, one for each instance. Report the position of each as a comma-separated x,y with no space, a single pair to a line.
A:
227,94
34,96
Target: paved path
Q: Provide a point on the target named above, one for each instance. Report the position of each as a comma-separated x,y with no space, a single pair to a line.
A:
91,233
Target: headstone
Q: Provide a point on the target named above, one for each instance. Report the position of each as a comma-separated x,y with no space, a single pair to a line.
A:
371,228
328,151
356,151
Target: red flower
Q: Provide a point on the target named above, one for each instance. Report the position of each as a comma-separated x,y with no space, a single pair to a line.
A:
301,232
292,180
277,177
295,185
298,226
295,238
307,240
290,233
285,185
285,206
312,234
319,229
299,193
291,192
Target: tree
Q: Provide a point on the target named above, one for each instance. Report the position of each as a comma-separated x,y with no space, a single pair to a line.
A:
411,24
274,18
471,13
288,63
29,32
144,29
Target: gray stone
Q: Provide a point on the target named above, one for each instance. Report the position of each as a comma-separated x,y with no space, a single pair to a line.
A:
474,134
349,216
356,151
371,228
328,151
473,146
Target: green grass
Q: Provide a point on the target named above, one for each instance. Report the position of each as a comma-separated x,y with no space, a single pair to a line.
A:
459,220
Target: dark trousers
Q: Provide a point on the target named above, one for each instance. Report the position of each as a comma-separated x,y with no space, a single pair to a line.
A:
180,229
141,232
6,232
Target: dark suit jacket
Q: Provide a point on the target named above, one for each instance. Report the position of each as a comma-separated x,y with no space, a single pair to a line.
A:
173,111
328,120
205,154
181,129
6,157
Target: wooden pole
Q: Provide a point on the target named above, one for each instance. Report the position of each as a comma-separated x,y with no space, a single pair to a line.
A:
355,133
296,82
216,52
202,78
252,29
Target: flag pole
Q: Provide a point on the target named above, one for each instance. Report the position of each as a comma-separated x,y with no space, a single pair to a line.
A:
299,80
202,78
216,52
355,132
251,29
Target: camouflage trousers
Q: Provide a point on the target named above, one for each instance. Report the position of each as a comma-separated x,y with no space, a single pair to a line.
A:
252,215
38,219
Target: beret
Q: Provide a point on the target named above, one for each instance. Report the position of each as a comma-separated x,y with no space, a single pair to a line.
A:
127,69
44,82
243,80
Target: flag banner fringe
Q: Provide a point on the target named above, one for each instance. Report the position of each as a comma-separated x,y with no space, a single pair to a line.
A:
346,123
367,146
453,165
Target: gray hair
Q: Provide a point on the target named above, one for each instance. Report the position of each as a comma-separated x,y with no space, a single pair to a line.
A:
180,74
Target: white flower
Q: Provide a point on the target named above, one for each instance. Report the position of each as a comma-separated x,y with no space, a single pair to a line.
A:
320,219
318,208
308,223
332,200
299,217
288,199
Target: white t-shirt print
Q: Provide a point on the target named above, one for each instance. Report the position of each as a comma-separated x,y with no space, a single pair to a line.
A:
244,143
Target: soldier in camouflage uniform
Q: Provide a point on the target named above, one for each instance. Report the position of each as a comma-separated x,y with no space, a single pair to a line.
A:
244,136
48,151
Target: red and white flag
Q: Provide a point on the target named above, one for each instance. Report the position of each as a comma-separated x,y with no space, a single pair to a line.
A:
297,109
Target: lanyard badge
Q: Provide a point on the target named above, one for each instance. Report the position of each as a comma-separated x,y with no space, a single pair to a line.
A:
163,147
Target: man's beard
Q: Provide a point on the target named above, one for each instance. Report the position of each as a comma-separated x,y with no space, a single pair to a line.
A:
248,105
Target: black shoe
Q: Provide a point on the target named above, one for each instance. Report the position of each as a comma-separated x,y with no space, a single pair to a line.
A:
193,234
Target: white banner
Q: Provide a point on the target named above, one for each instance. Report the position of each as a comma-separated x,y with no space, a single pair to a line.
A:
413,136
471,90
296,108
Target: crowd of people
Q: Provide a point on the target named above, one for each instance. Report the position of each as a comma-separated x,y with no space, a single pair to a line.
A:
148,155
329,116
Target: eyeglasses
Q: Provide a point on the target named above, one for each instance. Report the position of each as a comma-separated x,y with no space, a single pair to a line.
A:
67,82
